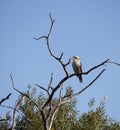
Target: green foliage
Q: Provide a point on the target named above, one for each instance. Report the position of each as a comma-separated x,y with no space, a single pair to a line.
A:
32,119
4,123
96,119
66,118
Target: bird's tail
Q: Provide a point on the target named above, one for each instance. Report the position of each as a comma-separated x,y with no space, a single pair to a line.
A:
80,78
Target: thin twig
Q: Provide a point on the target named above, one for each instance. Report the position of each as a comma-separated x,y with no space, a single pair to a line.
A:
50,84
9,107
41,88
114,63
6,98
39,37
95,67
61,56
68,62
52,22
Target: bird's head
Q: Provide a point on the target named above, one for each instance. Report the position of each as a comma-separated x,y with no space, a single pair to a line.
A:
75,58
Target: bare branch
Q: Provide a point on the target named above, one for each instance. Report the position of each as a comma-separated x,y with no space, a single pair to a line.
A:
61,56
64,67
50,30
17,111
40,37
12,81
51,109
39,109
114,63
68,62
95,67
42,88
67,77
6,98
59,59
79,92
14,113
50,84
90,83
52,117
23,94
3,120
52,22
9,107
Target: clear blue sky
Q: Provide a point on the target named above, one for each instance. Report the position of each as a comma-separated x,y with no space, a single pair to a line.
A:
87,28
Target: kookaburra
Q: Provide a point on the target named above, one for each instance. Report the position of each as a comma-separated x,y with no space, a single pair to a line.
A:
77,67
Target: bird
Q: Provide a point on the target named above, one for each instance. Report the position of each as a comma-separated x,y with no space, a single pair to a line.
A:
77,67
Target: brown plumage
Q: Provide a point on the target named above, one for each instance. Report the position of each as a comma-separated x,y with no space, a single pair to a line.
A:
77,67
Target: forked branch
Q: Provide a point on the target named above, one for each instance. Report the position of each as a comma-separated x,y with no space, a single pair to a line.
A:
41,112
59,59
70,76
49,108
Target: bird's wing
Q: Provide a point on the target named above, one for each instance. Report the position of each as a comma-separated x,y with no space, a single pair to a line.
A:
80,68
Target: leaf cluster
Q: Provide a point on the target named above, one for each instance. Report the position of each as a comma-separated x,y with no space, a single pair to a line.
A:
66,118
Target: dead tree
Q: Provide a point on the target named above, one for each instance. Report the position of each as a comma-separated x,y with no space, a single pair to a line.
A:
49,116
48,110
